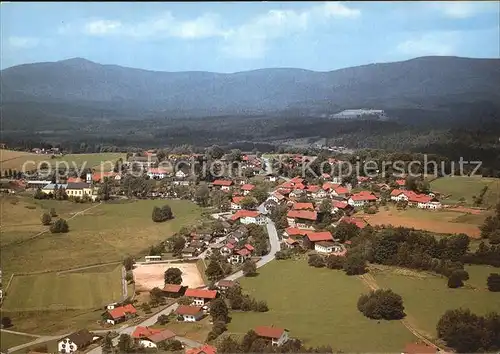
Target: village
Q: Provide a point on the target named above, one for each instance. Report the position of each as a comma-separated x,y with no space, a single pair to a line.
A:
299,213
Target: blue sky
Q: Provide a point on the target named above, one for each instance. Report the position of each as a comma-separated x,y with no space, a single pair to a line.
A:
237,36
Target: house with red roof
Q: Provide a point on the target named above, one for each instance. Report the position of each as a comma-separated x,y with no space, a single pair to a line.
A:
120,314
398,195
242,254
340,191
205,349
319,236
276,335
302,219
201,296
316,192
189,313
277,197
100,176
236,202
421,201
222,184
249,217
401,183
295,232
360,223
341,206
247,188
329,186
302,206
173,290
360,199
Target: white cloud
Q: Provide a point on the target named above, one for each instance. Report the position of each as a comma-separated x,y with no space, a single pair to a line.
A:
102,27
465,9
251,39
22,42
435,43
248,40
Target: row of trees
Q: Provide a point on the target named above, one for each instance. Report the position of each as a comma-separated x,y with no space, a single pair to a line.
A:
353,264
491,227
239,301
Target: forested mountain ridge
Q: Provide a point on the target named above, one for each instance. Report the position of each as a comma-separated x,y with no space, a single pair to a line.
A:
117,91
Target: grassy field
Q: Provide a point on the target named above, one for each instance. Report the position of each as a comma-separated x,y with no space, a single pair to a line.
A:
467,187
439,221
15,160
103,234
318,306
73,290
9,340
427,298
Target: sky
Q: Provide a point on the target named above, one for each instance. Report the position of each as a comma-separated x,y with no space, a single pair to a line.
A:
238,36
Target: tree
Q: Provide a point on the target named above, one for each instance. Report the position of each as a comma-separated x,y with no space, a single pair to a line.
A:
162,214
461,330
184,300
346,231
176,244
335,262
214,271
146,307
457,278
381,304
173,276
249,268
316,260
107,344
202,195
260,194
53,212
128,263
125,343
156,294
493,282
248,203
104,190
162,320
60,226
46,219
6,322
355,264
219,310
171,345
228,345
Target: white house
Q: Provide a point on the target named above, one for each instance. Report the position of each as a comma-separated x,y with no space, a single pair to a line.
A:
180,174
277,197
277,336
249,217
398,195
328,247
236,203
190,313
361,198
148,337
157,173
76,341
200,296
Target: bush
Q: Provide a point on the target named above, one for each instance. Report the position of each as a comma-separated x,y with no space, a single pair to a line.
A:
53,212
260,306
162,214
162,320
218,328
316,261
60,226
457,278
335,262
128,263
355,264
382,304
249,268
493,282
46,219
285,254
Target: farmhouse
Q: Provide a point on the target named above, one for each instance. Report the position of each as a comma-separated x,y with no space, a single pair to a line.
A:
341,206
142,336
360,223
189,313
51,187
249,217
100,176
323,236
222,184
206,349
78,189
76,341
302,219
120,314
223,285
174,290
340,191
362,198
277,336
329,247
277,197
200,296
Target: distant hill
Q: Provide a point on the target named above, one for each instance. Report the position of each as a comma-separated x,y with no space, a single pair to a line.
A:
84,88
